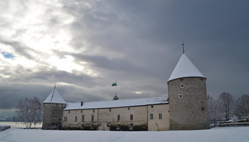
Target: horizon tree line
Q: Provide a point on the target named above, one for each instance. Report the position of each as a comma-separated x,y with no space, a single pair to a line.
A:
226,107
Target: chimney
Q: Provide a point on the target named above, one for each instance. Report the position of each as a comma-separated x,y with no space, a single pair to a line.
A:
81,102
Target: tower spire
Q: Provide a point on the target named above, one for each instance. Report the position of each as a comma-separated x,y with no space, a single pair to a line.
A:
183,47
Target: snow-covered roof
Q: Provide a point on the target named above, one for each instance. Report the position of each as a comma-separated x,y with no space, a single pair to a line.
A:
54,97
185,68
117,103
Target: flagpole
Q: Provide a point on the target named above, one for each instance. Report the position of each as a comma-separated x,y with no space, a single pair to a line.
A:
116,91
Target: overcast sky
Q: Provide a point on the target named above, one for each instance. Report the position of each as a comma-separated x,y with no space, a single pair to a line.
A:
84,46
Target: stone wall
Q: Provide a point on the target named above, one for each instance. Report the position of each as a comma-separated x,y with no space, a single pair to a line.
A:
157,124
188,104
117,119
52,115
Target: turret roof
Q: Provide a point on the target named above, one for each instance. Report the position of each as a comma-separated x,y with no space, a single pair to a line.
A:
185,68
54,97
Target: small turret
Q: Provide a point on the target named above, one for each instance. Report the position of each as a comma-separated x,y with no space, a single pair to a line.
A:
53,110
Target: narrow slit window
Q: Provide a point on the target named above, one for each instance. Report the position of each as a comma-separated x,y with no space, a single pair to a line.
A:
203,108
75,118
131,117
92,118
118,117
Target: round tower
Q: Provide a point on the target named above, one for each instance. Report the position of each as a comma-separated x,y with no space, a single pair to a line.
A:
187,97
53,110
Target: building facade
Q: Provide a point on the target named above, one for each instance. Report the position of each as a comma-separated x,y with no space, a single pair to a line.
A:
184,109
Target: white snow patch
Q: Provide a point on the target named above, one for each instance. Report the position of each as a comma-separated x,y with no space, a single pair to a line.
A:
117,103
185,68
54,97
222,134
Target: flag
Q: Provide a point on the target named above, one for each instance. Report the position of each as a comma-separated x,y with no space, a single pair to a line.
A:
114,84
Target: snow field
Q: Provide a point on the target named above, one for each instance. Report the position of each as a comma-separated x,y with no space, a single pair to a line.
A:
221,134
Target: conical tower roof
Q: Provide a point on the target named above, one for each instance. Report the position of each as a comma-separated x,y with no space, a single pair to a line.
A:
54,97
185,68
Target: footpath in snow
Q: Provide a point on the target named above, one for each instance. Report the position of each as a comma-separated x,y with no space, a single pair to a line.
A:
219,134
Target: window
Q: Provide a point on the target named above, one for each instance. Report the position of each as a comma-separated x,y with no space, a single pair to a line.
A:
82,126
182,85
75,118
82,118
110,110
118,117
152,106
69,111
93,110
203,108
92,117
81,111
65,118
131,117
128,108
151,116
160,116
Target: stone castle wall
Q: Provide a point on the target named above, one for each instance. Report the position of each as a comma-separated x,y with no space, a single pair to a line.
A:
52,115
107,119
188,104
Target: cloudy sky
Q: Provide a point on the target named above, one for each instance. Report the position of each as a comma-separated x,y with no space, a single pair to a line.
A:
85,45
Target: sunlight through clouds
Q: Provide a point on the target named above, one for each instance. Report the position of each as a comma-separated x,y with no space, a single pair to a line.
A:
66,64
37,27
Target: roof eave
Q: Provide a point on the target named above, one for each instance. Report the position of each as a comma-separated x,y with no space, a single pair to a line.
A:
117,106
187,77
54,103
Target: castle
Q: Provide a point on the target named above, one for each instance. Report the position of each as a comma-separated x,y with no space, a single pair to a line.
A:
185,109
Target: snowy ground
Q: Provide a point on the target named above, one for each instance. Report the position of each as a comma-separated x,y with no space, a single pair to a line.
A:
221,134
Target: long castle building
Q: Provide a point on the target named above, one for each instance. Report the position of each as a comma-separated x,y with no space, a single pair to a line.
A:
185,109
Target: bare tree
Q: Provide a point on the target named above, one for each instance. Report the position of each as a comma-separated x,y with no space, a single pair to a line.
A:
211,107
28,112
241,109
226,101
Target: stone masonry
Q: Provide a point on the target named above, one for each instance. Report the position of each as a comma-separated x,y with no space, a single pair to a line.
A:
52,115
188,104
